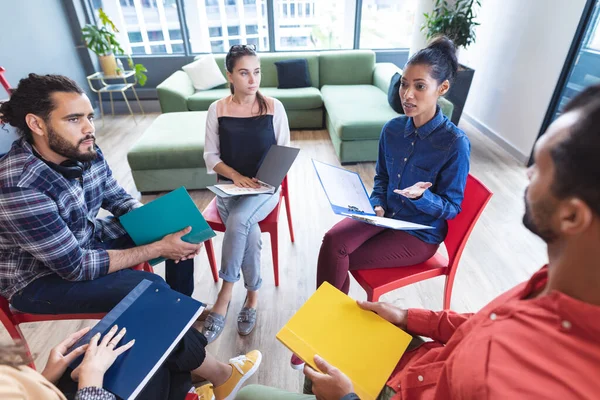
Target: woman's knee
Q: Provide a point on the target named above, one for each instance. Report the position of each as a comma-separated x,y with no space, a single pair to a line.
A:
333,242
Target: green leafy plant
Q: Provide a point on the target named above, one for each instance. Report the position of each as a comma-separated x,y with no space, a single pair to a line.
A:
102,40
456,22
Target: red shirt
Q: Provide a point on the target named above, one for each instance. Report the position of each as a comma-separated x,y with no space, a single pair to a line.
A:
514,348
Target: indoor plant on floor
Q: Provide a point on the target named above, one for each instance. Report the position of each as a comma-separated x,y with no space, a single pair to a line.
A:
102,40
455,20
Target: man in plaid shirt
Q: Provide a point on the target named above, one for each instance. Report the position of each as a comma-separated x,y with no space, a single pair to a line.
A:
56,256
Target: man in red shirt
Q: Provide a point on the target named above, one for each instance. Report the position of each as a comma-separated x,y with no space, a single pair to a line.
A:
539,340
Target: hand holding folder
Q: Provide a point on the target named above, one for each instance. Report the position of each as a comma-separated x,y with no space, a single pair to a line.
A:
360,343
166,215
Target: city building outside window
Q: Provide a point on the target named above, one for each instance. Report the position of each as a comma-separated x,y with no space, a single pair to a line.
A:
153,27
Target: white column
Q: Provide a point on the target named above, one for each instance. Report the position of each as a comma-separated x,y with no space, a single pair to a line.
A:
197,22
418,39
115,12
139,11
164,26
225,32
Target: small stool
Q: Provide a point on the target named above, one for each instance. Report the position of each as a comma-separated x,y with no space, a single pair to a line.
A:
170,154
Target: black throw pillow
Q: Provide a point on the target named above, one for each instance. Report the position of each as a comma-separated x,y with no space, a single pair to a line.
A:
293,73
394,93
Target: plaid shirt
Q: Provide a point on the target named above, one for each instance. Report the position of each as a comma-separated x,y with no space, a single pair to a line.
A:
48,223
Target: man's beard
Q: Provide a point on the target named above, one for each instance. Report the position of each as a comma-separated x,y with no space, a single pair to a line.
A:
541,227
61,146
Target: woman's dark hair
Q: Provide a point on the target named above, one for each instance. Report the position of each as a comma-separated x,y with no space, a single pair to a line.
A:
33,95
440,56
235,53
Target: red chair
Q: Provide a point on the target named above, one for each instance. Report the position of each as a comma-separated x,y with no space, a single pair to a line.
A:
377,282
11,319
269,225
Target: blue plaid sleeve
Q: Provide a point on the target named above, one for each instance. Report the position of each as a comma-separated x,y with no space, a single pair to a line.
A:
116,199
31,220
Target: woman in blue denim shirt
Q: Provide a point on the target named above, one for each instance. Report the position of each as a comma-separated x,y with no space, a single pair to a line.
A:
420,177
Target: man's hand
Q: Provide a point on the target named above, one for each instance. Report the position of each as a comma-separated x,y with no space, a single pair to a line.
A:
240,180
332,384
58,361
387,311
379,211
173,248
415,191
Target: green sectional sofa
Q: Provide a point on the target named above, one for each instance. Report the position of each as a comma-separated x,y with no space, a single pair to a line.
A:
348,95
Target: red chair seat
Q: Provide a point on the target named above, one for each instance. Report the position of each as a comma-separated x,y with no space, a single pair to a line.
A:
377,282
269,225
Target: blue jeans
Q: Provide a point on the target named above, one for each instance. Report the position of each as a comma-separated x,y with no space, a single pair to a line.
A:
52,294
242,242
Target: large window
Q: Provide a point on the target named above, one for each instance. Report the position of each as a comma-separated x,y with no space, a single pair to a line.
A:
387,24
145,26
593,38
163,26
216,25
314,24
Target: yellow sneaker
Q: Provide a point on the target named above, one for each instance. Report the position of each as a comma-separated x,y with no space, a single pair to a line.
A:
205,392
243,367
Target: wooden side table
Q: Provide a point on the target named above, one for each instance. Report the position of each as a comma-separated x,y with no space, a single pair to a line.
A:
111,88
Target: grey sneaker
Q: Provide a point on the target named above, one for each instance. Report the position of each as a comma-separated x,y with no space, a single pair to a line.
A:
213,326
246,321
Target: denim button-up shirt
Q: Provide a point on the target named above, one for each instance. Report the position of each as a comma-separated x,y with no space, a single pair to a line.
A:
437,152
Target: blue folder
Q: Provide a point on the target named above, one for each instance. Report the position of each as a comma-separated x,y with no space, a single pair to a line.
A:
168,214
157,318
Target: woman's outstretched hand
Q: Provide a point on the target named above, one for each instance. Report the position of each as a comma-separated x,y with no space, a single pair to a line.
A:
415,191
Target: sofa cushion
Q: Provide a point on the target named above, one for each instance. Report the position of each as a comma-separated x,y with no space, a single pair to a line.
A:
357,112
269,71
292,74
394,93
296,99
173,140
200,101
204,73
349,67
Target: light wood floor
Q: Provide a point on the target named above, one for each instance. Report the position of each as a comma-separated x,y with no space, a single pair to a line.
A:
500,253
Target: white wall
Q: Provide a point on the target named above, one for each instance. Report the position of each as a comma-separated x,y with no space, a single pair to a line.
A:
520,50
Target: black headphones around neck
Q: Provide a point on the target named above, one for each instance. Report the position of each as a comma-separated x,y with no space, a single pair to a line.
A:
70,169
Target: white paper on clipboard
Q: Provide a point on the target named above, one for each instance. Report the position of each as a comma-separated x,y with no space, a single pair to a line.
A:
343,188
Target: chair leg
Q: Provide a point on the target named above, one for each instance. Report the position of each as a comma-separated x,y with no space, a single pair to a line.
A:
148,267
275,254
210,252
448,291
373,296
288,211
17,336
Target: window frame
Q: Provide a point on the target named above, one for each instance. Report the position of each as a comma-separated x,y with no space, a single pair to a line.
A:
271,37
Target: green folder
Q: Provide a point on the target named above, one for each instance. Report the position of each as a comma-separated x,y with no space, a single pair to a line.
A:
168,214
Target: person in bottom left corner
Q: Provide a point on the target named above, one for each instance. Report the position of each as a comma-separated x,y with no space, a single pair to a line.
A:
170,382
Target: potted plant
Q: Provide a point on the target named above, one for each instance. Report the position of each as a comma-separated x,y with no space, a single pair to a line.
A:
456,21
102,40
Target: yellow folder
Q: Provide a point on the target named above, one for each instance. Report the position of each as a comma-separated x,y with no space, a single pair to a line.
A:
360,343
